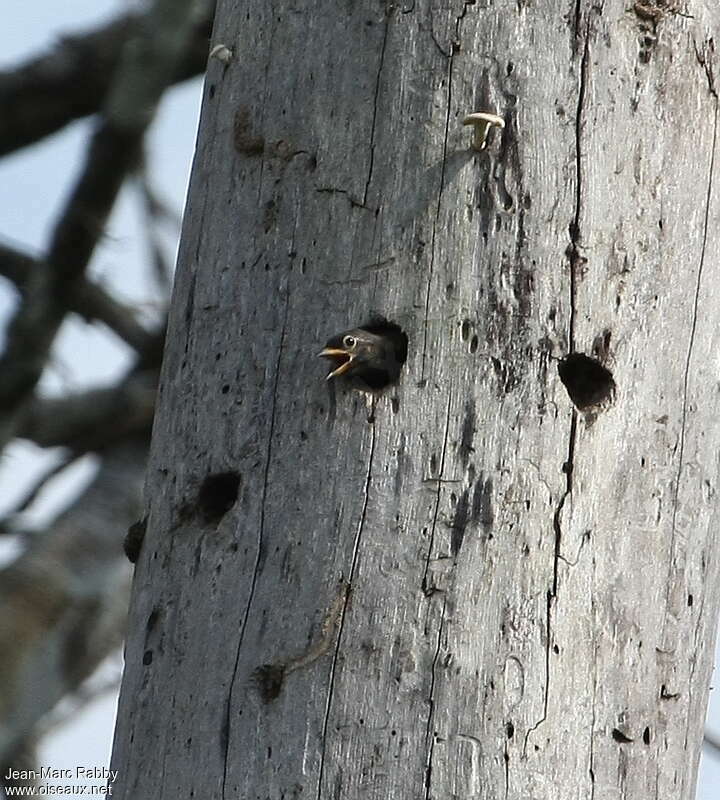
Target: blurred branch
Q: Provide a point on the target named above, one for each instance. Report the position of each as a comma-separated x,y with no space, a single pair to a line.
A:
48,92
93,419
148,63
712,742
8,526
89,300
24,759
63,602
155,212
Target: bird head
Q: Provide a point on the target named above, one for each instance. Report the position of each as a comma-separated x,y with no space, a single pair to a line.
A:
354,351
369,356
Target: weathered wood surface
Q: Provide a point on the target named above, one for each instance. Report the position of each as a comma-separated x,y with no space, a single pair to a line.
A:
533,590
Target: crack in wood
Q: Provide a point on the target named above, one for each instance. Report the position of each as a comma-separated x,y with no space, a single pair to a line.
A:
225,736
431,269
506,757
343,610
271,677
429,735
675,563
429,590
551,596
591,766
704,58
573,251
375,111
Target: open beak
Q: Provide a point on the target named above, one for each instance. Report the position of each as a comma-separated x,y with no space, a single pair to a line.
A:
336,353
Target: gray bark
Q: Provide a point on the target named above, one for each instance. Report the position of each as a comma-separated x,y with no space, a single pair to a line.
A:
472,590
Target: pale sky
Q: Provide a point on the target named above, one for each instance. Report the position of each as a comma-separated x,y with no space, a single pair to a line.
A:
33,185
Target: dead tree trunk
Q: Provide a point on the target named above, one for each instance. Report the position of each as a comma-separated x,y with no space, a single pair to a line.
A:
476,588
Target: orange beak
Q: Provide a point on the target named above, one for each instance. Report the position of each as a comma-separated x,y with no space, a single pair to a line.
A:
336,352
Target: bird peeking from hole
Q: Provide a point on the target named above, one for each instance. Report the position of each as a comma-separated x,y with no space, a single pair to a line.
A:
370,356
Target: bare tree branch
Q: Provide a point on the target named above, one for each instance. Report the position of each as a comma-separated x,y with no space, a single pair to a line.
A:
712,742
88,692
148,63
91,420
7,526
47,92
155,212
89,300
23,759
63,602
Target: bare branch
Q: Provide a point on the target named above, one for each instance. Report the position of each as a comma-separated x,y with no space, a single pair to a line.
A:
7,526
147,66
63,602
155,211
712,742
89,300
24,760
91,420
49,91
88,692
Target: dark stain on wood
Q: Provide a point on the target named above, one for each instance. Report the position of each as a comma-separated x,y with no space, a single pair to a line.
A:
245,141
482,509
460,521
468,432
269,679
269,215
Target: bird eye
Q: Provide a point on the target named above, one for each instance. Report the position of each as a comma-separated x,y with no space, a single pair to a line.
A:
349,342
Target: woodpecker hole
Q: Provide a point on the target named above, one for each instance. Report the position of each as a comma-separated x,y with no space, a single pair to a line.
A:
218,495
620,737
393,333
587,381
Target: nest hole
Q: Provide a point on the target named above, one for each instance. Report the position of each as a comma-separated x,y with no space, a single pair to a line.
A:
587,381
218,494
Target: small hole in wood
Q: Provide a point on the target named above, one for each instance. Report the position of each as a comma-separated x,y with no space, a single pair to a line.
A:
587,381
218,495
